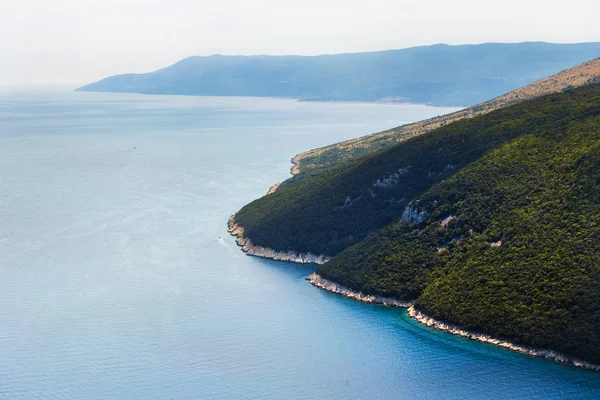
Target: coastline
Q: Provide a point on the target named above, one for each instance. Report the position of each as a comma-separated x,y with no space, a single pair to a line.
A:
264,252
531,351
330,286
316,280
295,169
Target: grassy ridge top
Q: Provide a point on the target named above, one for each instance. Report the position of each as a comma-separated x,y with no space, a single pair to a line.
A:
318,160
492,223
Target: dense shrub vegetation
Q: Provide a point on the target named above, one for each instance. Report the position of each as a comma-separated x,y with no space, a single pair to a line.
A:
510,240
334,210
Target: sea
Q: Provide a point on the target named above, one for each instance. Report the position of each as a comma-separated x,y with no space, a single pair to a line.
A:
118,279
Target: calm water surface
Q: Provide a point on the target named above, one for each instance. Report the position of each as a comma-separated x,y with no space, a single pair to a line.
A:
113,284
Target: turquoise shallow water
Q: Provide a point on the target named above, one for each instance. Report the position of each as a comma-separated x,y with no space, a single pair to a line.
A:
113,284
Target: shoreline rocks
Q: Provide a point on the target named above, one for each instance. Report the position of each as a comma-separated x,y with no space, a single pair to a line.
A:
316,280
330,286
531,351
295,168
273,188
264,252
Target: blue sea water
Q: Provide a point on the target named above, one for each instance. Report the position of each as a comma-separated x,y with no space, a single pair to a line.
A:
113,284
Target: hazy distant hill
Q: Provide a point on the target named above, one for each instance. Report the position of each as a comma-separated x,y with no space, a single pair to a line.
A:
438,74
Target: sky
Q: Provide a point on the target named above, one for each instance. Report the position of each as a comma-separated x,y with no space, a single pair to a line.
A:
73,42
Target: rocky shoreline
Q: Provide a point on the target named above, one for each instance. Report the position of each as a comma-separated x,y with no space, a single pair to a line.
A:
455,330
274,188
264,252
325,284
316,280
295,169
330,286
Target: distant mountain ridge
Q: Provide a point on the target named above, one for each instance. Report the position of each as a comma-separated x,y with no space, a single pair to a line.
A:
438,74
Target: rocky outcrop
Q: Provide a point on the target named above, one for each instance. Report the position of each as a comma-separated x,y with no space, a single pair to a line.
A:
446,221
258,251
295,169
455,330
331,286
412,215
391,180
274,188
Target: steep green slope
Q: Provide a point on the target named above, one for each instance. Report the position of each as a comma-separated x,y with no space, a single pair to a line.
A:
470,74
491,223
334,210
511,243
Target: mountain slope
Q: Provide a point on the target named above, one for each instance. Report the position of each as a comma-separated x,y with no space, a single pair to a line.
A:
439,74
334,210
510,245
491,223
318,160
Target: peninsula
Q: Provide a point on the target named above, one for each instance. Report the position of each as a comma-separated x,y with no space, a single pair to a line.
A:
437,75
488,224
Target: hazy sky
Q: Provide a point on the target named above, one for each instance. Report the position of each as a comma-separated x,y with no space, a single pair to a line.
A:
78,41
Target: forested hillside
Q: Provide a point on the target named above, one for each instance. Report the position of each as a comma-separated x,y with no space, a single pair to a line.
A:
332,211
492,223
